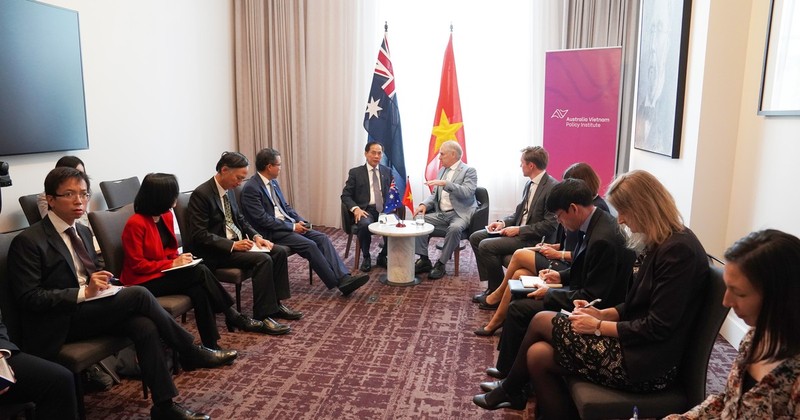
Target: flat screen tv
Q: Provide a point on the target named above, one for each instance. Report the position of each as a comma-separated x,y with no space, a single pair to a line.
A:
42,104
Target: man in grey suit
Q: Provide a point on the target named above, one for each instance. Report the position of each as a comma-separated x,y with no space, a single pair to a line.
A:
450,207
527,226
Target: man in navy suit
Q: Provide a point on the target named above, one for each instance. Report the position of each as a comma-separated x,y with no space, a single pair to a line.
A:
267,210
363,196
54,276
450,207
527,226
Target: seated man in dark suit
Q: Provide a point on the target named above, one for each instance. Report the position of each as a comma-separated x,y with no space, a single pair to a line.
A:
601,266
449,208
49,385
54,277
364,194
530,223
224,239
266,209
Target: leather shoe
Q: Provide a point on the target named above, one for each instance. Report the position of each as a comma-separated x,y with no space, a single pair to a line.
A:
423,265
494,373
202,357
349,284
437,272
366,265
498,398
483,332
174,410
284,312
490,386
480,297
244,323
273,327
381,262
487,306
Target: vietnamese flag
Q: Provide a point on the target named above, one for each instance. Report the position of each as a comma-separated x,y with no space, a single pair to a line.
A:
447,122
408,199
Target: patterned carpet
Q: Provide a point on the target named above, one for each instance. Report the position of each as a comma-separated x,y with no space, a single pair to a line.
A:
383,353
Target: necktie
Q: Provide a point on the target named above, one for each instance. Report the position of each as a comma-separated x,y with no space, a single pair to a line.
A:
80,249
578,246
523,217
229,218
274,187
376,189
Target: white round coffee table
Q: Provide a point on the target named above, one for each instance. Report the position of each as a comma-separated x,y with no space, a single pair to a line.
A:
400,264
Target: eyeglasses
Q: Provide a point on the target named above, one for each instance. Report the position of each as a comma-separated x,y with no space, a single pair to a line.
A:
70,195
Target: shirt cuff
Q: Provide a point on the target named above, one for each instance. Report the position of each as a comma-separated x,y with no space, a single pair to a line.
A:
82,294
6,353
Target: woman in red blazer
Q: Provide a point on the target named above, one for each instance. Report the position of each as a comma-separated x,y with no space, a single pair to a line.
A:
150,247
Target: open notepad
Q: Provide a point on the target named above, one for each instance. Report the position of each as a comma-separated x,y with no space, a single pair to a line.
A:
536,281
111,291
191,264
257,248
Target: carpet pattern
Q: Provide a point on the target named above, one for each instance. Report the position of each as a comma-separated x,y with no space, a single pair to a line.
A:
383,353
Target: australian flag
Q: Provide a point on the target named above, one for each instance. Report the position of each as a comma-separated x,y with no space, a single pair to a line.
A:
394,201
382,117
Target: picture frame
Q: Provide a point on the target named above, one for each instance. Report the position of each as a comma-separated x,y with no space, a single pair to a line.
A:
779,93
661,75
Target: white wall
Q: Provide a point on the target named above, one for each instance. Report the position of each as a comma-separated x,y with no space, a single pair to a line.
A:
159,95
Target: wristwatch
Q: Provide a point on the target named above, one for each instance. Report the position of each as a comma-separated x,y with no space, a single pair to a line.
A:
597,329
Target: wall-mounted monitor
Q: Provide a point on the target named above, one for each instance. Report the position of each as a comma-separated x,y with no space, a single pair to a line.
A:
42,104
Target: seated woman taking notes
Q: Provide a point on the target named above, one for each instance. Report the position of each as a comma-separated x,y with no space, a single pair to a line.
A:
762,277
150,247
634,346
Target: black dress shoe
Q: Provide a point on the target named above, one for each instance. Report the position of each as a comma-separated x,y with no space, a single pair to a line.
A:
487,306
480,297
494,373
498,398
482,331
202,357
437,272
349,284
423,265
273,327
284,312
175,411
246,324
381,261
366,265
490,386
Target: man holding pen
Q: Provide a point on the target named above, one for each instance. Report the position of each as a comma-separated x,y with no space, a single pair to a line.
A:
524,227
55,278
224,239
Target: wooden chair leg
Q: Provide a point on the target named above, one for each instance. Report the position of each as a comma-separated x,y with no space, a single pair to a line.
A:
349,241
457,256
310,274
79,395
183,318
357,251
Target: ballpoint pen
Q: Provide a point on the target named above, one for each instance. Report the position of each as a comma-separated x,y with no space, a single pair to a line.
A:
592,303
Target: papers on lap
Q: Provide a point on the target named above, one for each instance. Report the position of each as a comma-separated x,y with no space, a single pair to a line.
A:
256,248
535,282
191,264
111,291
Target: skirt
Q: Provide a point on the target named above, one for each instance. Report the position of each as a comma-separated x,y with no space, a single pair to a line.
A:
599,359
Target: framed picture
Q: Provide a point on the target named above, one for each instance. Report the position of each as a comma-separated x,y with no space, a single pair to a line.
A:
780,84
661,75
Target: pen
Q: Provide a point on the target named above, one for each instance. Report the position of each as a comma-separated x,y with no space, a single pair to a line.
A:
592,303
542,242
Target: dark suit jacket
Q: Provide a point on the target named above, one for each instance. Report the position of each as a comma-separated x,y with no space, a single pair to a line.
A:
5,342
540,222
600,269
661,306
356,189
259,210
207,222
44,282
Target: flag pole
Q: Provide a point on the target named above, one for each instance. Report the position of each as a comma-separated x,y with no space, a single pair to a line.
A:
386,26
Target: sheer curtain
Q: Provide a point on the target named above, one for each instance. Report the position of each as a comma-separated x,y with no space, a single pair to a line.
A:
607,23
303,71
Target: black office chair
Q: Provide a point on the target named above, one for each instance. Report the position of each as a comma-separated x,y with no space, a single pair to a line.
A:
30,207
120,192
598,402
478,221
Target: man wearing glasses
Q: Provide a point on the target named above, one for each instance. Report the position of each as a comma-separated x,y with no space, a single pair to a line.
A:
55,278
